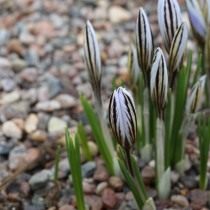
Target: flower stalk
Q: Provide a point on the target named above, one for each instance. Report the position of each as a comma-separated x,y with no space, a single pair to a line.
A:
159,91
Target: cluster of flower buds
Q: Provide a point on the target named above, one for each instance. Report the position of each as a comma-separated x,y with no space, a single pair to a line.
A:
122,117
169,19
159,81
197,19
196,95
144,43
92,59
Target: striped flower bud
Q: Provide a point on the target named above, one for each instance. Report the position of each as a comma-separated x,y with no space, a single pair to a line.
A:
196,95
197,20
144,41
169,19
159,80
178,47
92,58
122,117
133,66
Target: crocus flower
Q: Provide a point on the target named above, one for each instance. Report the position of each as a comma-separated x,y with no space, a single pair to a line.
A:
122,117
197,20
92,58
196,95
133,65
159,80
178,47
144,42
169,19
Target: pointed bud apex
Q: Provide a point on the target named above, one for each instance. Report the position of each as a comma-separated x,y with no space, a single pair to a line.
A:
196,20
169,19
92,57
133,66
196,95
178,47
122,117
144,41
159,80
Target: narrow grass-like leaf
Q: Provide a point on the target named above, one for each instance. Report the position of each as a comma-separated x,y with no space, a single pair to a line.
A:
139,179
204,146
84,141
107,155
180,102
133,185
73,151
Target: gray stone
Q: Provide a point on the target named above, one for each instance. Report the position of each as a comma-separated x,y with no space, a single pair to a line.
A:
6,146
180,200
66,101
64,169
10,129
18,64
17,110
4,63
40,179
53,85
8,84
4,36
88,169
9,98
56,125
29,75
48,106
189,181
32,58
17,156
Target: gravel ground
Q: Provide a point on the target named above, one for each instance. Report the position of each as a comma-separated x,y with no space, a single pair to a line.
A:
41,75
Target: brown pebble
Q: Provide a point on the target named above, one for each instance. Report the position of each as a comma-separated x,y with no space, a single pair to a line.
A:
94,202
109,198
116,183
101,174
66,207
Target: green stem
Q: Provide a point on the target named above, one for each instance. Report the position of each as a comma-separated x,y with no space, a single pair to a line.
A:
160,162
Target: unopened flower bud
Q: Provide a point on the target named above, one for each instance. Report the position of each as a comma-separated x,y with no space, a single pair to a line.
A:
197,20
159,80
144,42
178,47
122,117
92,58
196,95
169,19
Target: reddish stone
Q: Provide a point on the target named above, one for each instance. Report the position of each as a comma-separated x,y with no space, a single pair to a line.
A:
94,202
109,198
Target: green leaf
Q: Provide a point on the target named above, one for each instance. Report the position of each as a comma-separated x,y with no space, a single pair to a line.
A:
180,104
204,145
107,155
164,184
84,141
149,204
73,152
